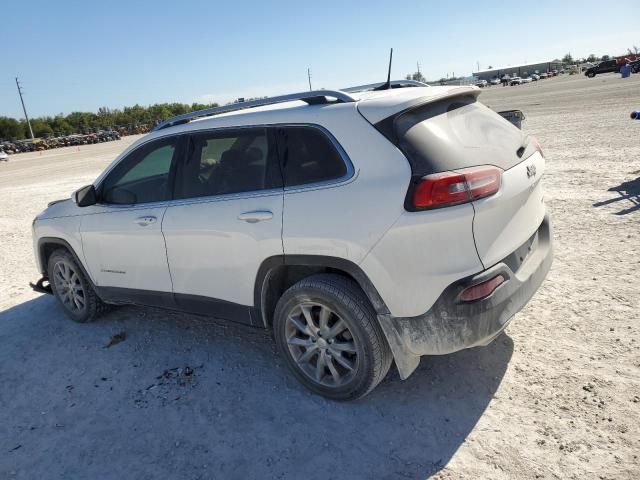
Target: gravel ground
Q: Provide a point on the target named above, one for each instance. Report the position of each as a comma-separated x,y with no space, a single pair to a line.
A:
557,396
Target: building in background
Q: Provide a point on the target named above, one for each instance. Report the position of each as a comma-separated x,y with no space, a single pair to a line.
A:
519,70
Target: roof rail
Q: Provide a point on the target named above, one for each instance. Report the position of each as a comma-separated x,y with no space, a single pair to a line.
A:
313,97
394,84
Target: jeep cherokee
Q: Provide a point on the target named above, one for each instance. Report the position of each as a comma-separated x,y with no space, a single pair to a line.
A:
363,226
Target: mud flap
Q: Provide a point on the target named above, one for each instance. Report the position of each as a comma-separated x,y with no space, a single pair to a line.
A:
406,362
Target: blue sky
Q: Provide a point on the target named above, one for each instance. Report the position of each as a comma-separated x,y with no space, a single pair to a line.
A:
80,56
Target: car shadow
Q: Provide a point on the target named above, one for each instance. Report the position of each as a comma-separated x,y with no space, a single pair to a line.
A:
630,191
182,396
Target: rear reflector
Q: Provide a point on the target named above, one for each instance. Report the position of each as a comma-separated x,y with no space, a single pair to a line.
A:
453,188
482,290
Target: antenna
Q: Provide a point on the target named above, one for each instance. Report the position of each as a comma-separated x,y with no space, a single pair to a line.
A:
387,84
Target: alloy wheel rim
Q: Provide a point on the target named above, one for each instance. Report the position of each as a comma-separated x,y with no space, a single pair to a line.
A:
69,287
321,344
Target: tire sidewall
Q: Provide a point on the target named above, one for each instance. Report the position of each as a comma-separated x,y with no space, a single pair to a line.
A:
86,314
364,369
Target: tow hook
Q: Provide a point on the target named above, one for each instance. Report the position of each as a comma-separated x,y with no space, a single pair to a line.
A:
40,287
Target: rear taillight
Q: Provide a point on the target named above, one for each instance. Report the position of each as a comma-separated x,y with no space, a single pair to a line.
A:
453,188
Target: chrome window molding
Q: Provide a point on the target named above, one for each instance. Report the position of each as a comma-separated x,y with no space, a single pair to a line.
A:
350,170
348,177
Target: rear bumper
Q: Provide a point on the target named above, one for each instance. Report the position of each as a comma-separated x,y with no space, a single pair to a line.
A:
452,325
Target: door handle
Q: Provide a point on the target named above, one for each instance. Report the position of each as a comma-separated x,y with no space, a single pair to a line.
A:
257,216
144,221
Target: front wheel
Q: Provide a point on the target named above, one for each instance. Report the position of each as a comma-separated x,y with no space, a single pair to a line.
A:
327,330
72,288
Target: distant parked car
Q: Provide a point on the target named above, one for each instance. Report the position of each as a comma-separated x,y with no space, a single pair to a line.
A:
635,66
543,76
526,80
3,157
535,77
603,67
481,83
516,81
495,81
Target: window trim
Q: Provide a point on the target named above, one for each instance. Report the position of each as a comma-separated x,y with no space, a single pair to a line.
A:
177,158
349,168
183,137
225,196
348,177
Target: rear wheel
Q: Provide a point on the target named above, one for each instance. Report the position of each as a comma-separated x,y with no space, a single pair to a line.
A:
72,288
328,333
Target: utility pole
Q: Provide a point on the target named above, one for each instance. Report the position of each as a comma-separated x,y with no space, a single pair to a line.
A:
418,65
478,63
309,77
24,109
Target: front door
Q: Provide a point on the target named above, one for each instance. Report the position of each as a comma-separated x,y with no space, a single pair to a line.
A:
122,234
229,219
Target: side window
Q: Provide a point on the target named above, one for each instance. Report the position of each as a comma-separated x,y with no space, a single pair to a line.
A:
226,162
143,176
308,156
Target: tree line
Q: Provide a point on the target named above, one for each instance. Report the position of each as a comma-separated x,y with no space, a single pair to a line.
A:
104,119
592,58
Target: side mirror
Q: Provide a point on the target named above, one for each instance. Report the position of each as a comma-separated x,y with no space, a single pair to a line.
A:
86,196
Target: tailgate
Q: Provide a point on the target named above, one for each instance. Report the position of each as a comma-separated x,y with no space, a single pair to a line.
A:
506,220
452,131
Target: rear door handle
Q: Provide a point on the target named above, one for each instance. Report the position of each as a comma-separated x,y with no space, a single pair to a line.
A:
256,216
144,221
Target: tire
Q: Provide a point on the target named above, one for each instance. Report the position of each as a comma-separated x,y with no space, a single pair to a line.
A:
591,75
80,301
357,342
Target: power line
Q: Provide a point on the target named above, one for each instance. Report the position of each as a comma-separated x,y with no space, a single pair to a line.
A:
24,109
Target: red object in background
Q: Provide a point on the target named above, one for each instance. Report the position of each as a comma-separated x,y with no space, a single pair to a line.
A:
632,57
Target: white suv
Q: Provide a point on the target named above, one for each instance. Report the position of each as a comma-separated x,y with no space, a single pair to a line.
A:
362,226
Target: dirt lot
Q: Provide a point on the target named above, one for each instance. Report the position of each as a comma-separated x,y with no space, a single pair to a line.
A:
557,396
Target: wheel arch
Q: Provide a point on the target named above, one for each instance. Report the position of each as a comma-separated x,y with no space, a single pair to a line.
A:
276,274
48,245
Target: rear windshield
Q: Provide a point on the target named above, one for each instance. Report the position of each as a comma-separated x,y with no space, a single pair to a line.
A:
455,133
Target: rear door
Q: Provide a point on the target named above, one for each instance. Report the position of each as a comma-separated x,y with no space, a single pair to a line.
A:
226,219
313,164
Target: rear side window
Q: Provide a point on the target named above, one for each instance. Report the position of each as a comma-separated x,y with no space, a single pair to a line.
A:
308,156
226,162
